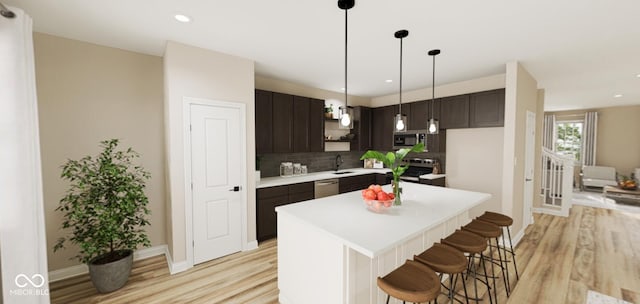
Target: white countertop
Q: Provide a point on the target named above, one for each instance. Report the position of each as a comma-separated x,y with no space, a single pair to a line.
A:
346,217
315,176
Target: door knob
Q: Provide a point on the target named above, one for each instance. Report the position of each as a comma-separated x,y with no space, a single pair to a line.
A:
235,189
527,179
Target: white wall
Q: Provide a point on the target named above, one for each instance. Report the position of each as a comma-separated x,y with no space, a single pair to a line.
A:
450,89
521,95
474,163
200,73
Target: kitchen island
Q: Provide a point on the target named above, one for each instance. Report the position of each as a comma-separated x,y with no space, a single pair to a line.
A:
332,249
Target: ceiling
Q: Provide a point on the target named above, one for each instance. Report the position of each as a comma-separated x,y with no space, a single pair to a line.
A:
581,52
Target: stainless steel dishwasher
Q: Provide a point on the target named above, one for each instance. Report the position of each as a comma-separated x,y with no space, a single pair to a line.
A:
326,187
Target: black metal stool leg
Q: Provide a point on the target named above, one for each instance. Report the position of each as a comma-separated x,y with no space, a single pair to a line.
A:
486,277
493,273
513,255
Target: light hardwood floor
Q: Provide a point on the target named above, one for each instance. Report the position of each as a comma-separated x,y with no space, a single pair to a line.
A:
559,259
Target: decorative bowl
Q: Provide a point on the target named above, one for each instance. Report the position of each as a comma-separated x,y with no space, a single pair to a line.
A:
628,185
378,206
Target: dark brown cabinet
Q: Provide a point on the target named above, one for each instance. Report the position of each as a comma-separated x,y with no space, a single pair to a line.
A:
316,125
434,182
437,142
382,128
362,129
418,119
282,123
300,124
383,179
454,112
264,122
287,123
267,199
358,182
486,109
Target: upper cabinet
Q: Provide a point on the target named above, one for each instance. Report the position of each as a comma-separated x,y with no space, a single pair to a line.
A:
282,123
287,123
362,129
382,127
486,109
264,122
316,125
421,113
454,112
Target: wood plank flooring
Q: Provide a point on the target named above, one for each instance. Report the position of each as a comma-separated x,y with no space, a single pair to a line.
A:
559,259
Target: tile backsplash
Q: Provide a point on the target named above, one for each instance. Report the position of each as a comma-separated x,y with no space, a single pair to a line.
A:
323,161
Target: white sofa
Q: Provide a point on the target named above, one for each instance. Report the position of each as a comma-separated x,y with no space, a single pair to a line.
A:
598,176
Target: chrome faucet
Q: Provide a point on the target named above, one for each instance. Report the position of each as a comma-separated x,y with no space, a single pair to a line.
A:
339,162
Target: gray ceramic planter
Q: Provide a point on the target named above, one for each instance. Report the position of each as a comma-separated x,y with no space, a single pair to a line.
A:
111,276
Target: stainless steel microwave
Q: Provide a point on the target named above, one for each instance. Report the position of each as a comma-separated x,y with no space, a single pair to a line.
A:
409,138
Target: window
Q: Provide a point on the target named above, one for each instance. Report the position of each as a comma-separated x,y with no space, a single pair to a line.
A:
569,138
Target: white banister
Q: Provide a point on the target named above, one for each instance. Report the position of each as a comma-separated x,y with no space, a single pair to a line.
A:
557,183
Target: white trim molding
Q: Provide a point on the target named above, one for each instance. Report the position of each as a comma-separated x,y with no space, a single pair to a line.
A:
175,267
251,245
560,212
73,271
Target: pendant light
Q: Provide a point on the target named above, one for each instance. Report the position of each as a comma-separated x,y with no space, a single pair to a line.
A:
346,112
434,124
400,121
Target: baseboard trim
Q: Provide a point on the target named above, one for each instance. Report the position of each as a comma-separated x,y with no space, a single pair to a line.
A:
73,271
251,245
517,238
175,267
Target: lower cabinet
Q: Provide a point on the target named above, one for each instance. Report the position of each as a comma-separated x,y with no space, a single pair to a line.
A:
433,182
267,199
358,182
383,179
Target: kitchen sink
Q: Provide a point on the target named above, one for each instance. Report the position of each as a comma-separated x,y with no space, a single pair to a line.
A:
342,172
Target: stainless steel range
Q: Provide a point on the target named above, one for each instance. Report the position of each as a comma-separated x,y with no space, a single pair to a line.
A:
417,167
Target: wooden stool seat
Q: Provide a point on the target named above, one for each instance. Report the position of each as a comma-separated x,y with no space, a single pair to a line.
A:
483,229
496,218
411,282
443,259
466,241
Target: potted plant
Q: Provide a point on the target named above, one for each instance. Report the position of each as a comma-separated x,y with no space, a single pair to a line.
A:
393,161
328,111
106,209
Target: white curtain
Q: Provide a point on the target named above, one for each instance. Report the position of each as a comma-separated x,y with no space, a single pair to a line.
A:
548,132
22,233
589,137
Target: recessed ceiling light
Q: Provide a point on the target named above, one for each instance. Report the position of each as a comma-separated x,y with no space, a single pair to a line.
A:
617,95
638,75
182,18
342,89
388,80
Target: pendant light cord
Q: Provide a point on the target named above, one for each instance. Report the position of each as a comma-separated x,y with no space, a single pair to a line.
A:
346,26
400,103
433,86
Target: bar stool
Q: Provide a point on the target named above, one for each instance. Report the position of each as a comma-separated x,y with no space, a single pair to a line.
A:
471,244
413,282
490,231
446,259
504,222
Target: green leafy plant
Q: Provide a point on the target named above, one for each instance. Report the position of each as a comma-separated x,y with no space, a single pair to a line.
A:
105,205
393,161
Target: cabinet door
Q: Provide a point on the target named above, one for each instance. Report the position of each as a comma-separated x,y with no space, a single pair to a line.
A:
300,124
282,123
362,129
264,122
382,128
267,199
454,112
382,179
419,118
486,109
300,192
316,125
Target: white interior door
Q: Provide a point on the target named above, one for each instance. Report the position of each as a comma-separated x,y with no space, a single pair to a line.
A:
529,154
216,177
